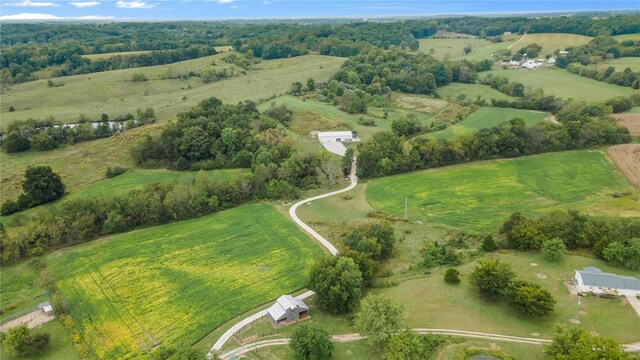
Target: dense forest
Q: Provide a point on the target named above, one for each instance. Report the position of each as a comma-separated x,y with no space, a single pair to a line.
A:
27,48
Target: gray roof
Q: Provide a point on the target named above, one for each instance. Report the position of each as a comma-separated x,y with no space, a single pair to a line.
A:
284,304
42,305
592,276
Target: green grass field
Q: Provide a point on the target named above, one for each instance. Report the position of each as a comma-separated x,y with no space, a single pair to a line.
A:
488,117
453,48
472,92
622,63
564,84
551,42
103,56
480,196
435,304
174,284
627,37
113,93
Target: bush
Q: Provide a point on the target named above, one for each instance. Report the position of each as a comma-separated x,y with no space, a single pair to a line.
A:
452,276
489,244
138,77
15,142
553,249
366,122
379,318
115,171
530,299
311,342
492,278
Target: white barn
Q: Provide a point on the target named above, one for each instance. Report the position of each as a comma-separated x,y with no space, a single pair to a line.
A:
337,136
593,280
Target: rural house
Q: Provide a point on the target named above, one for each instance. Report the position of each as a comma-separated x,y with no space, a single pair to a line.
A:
332,140
593,280
287,309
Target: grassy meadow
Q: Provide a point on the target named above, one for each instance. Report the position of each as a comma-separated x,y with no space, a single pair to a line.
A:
435,304
620,64
103,56
113,92
564,84
480,196
488,117
454,48
551,42
173,284
472,92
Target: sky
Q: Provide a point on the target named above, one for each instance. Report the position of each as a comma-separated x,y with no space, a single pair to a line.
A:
242,9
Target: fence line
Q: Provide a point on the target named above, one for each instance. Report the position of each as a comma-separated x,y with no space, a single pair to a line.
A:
17,315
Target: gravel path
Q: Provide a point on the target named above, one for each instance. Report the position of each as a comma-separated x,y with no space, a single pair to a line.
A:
509,47
332,249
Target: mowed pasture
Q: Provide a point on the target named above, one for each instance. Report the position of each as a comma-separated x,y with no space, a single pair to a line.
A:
113,92
481,196
173,284
104,56
460,307
487,117
473,92
454,48
551,42
620,64
564,84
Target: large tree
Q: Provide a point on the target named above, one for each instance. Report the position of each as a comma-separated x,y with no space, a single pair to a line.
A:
337,282
407,345
21,342
379,318
41,185
573,343
530,299
492,278
311,342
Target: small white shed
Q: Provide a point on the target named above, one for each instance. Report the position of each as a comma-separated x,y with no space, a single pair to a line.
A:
337,136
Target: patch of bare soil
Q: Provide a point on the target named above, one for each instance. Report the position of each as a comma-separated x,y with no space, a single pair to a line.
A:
627,159
630,121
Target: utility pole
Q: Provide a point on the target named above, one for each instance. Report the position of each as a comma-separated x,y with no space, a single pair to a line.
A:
406,200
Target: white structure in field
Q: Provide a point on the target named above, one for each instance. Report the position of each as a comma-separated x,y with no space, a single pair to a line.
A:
333,140
530,64
593,280
287,309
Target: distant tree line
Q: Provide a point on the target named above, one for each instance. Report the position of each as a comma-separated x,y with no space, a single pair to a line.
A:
616,240
44,135
582,125
608,74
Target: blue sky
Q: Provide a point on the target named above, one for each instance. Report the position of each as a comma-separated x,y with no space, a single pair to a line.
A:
226,9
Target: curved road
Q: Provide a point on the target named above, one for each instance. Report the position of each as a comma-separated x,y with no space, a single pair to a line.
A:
332,249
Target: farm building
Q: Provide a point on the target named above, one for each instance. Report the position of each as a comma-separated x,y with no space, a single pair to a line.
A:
551,60
530,64
593,280
46,308
333,140
287,309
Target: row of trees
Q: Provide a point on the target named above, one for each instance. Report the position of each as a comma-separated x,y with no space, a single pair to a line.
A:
616,240
502,84
44,135
608,74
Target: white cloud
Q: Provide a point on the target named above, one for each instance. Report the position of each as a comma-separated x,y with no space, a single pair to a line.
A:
25,3
224,1
95,17
267,2
133,5
85,4
29,16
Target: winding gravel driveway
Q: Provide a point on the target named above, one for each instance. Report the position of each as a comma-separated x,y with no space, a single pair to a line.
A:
332,249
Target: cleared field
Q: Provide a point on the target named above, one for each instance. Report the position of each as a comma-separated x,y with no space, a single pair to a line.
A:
631,121
488,117
564,84
460,307
551,42
451,34
620,64
114,93
480,196
627,159
108,55
472,92
627,37
454,48
173,284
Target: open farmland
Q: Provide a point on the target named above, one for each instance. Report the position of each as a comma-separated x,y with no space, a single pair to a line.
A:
564,84
113,92
620,64
551,42
480,196
461,307
488,117
627,37
454,48
103,56
472,92
173,284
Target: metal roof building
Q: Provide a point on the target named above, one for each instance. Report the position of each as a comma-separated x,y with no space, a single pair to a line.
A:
592,279
287,309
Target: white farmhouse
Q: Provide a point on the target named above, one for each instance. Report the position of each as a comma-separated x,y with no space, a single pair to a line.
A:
530,64
333,140
593,280
551,60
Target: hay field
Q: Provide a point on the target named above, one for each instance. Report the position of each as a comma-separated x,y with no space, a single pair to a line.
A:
620,64
564,84
173,284
551,42
472,92
453,48
102,56
113,92
481,196
488,117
